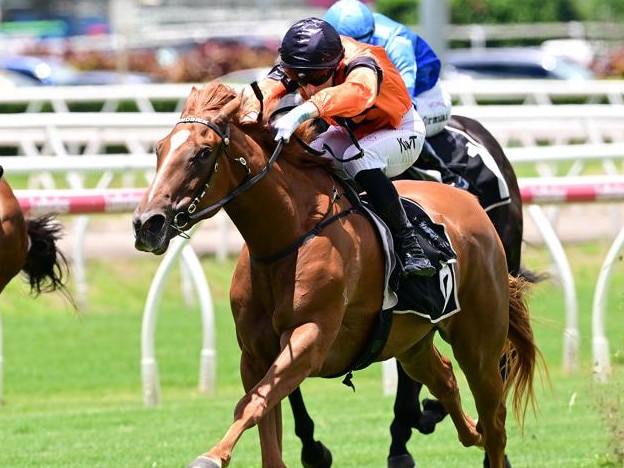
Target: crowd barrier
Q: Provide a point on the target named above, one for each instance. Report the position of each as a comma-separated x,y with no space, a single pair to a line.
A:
535,192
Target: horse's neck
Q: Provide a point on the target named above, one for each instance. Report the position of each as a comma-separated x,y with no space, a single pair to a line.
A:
281,208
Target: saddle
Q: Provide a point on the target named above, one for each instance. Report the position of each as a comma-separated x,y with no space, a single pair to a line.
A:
434,297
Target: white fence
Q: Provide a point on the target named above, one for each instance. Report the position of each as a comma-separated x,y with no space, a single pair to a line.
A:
70,143
464,92
59,134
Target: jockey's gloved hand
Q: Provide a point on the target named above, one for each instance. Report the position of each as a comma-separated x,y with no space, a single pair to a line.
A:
285,126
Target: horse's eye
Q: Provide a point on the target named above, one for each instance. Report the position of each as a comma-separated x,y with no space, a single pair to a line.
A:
205,152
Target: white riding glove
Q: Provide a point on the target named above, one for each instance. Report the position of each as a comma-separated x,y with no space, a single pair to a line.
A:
285,126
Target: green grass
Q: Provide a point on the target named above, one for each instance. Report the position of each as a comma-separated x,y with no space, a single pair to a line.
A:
73,393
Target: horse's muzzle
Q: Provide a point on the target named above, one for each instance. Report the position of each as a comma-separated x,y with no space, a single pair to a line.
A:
151,233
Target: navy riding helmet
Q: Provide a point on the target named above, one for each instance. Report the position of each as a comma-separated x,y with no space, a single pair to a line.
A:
311,44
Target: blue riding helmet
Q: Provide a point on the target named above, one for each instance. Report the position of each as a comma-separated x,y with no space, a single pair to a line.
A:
351,18
311,44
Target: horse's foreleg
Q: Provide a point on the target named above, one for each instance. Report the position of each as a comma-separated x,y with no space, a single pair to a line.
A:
314,454
299,352
408,415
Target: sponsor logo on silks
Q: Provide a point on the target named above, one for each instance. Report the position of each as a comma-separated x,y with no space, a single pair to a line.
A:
410,144
436,119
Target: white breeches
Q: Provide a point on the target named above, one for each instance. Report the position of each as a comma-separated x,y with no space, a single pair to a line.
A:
391,150
434,106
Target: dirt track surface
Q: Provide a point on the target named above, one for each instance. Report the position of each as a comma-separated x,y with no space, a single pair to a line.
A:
112,236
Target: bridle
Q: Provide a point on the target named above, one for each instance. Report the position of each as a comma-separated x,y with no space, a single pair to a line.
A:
182,218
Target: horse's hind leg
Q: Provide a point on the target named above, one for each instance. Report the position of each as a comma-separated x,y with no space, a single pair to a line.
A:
486,385
481,366
313,453
425,364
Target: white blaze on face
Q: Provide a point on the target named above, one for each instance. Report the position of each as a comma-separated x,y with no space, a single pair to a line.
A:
177,140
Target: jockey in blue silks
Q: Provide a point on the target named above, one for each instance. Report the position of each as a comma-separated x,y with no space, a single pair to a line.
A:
417,63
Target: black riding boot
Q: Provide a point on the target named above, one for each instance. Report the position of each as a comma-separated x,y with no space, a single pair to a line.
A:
429,159
384,197
415,263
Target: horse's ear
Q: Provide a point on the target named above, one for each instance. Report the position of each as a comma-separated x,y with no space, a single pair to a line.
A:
232,106
229,110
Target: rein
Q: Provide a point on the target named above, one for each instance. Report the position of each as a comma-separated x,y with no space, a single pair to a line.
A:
182,218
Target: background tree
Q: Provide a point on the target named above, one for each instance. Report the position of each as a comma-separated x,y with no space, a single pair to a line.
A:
510,11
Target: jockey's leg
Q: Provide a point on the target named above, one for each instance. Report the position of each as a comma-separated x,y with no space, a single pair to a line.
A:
385,198
429,159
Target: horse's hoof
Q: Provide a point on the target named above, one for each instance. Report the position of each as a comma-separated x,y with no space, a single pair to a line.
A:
317,456
486,462
204,462
401,461
433,412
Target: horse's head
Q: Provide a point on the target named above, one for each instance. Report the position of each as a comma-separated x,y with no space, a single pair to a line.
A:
190,173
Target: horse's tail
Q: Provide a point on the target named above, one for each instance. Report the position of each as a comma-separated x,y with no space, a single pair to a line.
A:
530,276
45,268
522,353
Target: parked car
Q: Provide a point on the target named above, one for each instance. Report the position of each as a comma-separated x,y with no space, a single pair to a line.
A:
511,62
10,79
52,72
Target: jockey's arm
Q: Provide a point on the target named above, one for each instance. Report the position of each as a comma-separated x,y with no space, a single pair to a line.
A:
351,98
401,52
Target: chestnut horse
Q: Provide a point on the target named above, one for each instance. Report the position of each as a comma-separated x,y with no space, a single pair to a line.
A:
308,287
29,246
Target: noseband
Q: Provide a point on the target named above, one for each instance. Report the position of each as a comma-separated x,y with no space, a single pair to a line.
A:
182,218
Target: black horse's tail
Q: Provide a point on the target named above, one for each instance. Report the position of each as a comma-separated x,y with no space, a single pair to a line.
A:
531,276
46,268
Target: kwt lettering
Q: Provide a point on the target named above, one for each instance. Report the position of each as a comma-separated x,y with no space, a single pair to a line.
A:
409,144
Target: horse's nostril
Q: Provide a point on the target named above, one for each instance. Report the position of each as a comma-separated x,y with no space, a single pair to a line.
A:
154,224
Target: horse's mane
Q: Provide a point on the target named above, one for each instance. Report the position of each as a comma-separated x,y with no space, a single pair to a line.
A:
210,97
213,95
262,133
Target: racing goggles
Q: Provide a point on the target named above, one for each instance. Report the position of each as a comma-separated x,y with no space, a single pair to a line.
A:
309,76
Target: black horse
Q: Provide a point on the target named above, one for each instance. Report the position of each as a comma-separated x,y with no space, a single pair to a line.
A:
469,150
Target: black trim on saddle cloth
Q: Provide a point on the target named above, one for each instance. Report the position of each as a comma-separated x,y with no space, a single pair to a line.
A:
1,171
